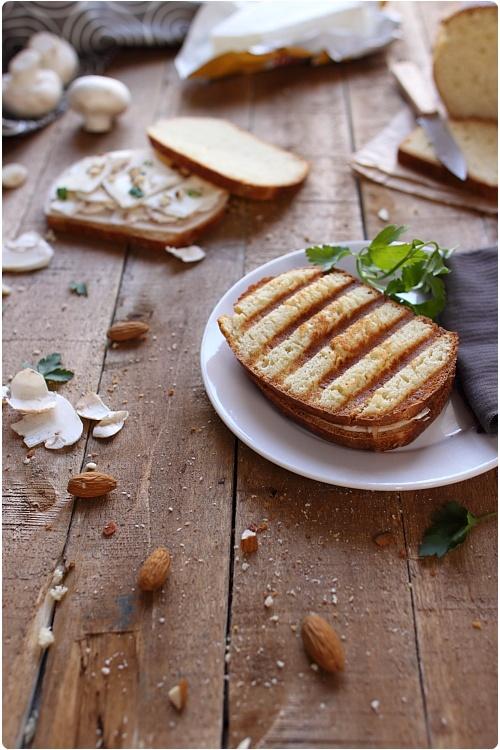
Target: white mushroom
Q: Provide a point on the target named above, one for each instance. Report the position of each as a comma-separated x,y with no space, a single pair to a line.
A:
110,422
28,252
57,428
14,175
5,393
56,54
99,99
91,406
190,254
6,290
28,90
29,393
110,425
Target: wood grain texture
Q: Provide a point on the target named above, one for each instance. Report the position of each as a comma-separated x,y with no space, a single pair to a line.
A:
418,673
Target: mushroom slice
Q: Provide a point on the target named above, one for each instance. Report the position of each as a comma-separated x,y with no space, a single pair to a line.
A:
57,428
91,406
28,252
29,393
190,254
110,425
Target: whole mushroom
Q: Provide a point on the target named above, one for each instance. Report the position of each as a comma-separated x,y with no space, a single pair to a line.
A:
28,90
99,99
56,54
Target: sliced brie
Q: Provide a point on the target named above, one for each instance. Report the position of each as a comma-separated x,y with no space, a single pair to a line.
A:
143,176
85,176
191,196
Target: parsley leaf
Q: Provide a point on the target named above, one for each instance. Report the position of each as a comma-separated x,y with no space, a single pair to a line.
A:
194,193
451,525
408,272
51,370
79,287
326,256
136,192
62,193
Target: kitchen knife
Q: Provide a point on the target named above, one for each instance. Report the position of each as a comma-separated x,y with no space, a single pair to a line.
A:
415,89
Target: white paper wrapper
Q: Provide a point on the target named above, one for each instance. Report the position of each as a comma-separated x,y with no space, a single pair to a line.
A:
232,37
378,162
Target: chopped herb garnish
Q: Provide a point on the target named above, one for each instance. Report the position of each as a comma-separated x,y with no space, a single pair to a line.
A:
79,287
51,370
62,193
451,525
148,163
194,193
136,192
397,270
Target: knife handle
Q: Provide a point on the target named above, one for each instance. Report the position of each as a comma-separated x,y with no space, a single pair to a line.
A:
414,87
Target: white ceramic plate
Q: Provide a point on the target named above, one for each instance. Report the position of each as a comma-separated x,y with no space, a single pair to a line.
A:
449,450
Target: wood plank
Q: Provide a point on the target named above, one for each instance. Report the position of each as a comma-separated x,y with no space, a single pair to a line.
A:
42,316
320,537
174,464
450,597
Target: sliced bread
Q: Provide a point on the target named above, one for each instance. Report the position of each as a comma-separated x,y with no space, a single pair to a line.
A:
228,156
466,63
133,194
478,141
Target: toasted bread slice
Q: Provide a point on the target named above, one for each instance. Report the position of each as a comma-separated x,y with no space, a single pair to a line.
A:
135,195
341,358
228,156
478,141
465,62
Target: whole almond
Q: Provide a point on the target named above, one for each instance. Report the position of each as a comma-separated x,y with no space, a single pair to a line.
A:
91,484
322,644
154,570
126,330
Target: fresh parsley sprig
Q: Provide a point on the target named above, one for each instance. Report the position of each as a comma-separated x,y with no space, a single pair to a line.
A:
51,369
398,270
451,526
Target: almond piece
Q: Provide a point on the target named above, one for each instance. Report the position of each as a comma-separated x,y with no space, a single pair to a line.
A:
109,529
126,330
322,644
178,694
384,539
91,484
154,570
248,542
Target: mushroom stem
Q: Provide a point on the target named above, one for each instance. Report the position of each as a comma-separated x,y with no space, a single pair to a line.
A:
98,122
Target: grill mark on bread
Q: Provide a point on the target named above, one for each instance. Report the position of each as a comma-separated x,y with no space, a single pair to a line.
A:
257,336
342,349
378,360
300,342
267,292
350,408
410,378
326,317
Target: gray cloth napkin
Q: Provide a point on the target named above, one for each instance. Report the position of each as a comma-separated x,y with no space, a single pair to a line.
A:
471,310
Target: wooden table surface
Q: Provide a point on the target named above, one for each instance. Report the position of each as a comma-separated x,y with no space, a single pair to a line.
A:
185,482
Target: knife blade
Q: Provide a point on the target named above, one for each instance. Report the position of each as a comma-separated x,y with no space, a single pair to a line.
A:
417,91
444,145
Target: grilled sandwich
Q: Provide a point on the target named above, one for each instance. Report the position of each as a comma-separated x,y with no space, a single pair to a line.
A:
342,359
